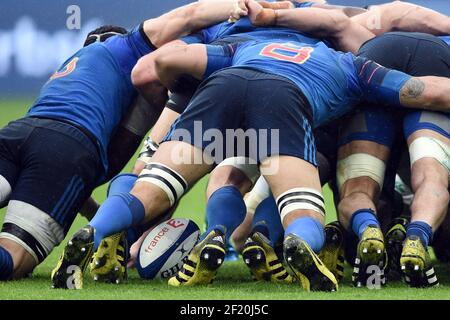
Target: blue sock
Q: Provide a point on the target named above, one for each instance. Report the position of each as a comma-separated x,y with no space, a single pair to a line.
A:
117,213
361,219
422,230
225,211
310,230
6,265
267,220
123,183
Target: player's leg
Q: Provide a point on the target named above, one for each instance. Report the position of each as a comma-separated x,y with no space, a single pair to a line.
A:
112,253
333,251
429,148
362,158
105,259
428,141
253,199
34,220
151,144
28,234
290,169
225,212
15,260
265,234
157,189
228,183
301,205
113,249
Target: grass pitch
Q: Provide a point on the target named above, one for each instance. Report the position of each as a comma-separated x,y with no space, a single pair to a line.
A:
233,281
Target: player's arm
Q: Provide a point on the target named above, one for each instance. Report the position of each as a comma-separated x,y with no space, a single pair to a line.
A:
313,1
174,61
190,18
168,63
347,10
322,23
196,60
383,86
403,16
431,93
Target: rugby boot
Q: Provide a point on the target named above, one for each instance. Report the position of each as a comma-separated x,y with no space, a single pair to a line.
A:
109,262
263,262
332,254
394,239
306,266
370,257
201,266
416,265
68,273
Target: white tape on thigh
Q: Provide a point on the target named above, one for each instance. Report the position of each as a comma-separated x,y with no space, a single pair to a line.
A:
429,147
46,231
5,191
300,199
259,193
246,165
166,179
360,165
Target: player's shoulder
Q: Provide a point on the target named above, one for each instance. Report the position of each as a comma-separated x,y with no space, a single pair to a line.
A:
95,53
135,41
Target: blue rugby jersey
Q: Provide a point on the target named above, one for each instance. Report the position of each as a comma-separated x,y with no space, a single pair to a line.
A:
93,88
332,81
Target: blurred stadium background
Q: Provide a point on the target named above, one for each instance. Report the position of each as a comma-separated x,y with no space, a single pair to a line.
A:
34,39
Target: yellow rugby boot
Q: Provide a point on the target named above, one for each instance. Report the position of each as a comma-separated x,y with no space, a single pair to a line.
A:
68,273
201,266
416,265
263,262
394,239
332,254
371,257
306,266
109,262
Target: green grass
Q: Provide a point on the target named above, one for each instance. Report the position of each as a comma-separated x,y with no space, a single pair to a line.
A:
233,281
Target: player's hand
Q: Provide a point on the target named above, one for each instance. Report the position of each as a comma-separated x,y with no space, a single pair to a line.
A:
134,249
260,16
239,10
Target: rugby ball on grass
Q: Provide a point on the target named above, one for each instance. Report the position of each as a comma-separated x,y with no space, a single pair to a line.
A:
166,247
